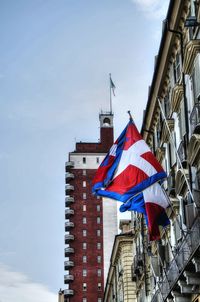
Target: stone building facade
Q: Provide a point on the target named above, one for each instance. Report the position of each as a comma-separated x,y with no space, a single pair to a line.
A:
170,268
120,286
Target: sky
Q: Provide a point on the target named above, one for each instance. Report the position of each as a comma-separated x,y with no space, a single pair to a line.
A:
55,60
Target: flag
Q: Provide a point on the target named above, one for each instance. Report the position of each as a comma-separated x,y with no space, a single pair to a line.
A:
152,202
129,173
129,167
112,86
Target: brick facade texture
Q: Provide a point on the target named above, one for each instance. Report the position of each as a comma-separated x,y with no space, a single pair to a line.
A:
92,293
106,141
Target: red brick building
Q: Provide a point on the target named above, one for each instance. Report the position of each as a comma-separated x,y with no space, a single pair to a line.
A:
91,223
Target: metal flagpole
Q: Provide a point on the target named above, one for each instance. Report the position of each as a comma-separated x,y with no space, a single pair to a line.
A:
110,93
177,155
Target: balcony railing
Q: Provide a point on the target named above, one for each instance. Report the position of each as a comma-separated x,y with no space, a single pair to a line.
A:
68,213
69,200
195,117
184,254
69,188
69,176
68,238
68,292
68,225
68,278
69,165
68,251
68,264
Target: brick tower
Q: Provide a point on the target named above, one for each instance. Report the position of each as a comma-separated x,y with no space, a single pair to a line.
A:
91,222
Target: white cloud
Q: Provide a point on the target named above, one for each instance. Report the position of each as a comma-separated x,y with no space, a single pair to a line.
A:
153,8
16,286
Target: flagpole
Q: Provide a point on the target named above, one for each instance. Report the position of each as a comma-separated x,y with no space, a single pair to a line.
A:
130,116
110,93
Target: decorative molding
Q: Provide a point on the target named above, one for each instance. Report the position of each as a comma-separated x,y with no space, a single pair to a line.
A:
176,97
165,135
160,153
191,50
180,182
194,150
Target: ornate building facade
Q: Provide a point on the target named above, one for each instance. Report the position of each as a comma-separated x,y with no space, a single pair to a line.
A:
169,270
120,286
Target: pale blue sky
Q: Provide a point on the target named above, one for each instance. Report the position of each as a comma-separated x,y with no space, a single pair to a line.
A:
55,57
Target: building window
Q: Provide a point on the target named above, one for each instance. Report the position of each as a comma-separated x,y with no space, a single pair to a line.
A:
84,233
98,208
84,299
84,245
84,259
84,207
84,160
98,259
98,233
99,272
99,286
97,160
181,120
84,183
84,172
98,197
84,196
98,220
177,68
99,300
98,245
84,220
84,272
196,79
84,287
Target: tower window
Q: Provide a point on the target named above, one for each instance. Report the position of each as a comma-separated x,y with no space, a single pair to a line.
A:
98,233
84,160
99,272
84,245
84,272
84,220
98,259
98,245
84,233
84,207
99,300
84,172
84,259
106,121
84,196
84,299
98,220
84,286
99,286
98,208
84,183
